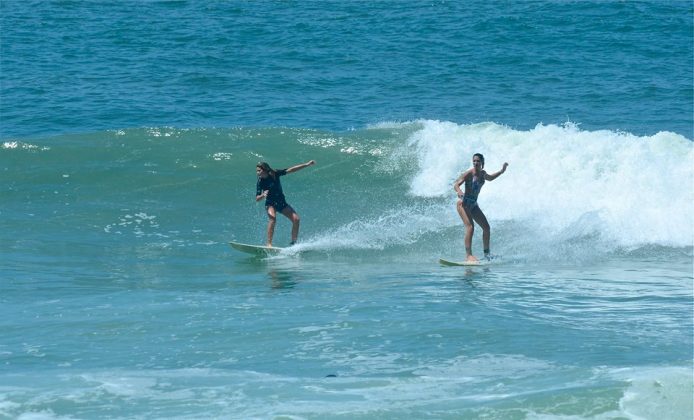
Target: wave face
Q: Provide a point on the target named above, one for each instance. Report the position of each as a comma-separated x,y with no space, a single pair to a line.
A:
567,193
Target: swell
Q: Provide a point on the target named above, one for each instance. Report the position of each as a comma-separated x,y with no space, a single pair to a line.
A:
568,193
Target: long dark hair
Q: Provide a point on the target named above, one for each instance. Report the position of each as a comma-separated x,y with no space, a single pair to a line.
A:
266,167
481,156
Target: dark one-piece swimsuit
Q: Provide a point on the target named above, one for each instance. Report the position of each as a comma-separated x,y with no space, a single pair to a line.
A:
472,189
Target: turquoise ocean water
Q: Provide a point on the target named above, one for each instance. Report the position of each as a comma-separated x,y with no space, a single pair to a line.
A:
129,135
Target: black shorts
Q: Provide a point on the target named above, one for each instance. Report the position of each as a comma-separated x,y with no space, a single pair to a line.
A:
278,205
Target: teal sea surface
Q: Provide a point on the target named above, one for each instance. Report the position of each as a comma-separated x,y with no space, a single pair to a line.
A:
129,135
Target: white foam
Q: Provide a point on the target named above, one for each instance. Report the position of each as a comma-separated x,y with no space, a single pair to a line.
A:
656,392
629,189
365,382
43,415
394,227
10,145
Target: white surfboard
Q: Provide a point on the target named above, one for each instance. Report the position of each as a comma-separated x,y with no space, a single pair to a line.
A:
465,263
259,250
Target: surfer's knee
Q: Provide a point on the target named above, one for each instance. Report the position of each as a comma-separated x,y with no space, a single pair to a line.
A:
271,214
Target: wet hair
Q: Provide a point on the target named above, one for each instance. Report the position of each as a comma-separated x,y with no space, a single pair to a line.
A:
481,156
266,168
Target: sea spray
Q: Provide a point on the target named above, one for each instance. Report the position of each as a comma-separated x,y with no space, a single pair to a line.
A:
567,192
564,182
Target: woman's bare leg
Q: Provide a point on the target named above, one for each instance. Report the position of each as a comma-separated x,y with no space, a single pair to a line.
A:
481,220
296,221
272,219
469,229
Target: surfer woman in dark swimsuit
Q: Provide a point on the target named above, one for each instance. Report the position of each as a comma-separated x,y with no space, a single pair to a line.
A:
468,209
270,188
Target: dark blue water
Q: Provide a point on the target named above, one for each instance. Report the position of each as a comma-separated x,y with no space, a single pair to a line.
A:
88,66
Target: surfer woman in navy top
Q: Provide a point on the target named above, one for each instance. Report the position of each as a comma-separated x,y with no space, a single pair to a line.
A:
270,188
467,206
